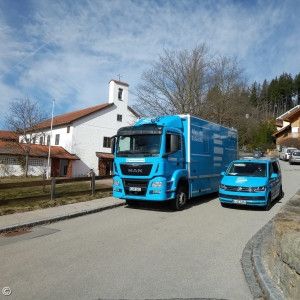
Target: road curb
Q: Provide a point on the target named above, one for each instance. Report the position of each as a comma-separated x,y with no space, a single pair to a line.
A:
247,266
256,275
59,218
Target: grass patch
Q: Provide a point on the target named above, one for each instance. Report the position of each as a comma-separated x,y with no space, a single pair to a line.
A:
21,199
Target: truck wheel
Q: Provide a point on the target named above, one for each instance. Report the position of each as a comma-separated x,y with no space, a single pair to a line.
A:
180,198
268,205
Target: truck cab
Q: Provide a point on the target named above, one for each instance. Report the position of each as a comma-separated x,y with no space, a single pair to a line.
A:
147,158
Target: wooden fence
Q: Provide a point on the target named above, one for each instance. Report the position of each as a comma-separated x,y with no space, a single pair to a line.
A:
53,182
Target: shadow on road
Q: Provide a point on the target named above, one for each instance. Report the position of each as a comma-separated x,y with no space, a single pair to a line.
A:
165,206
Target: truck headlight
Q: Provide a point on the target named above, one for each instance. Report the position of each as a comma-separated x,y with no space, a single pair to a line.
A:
259,189
156,184
116,182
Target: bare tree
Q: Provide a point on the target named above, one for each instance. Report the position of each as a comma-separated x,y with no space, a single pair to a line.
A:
23,118
194,82
225,99
177,83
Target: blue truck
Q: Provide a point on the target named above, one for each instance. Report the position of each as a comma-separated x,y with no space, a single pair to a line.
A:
171,158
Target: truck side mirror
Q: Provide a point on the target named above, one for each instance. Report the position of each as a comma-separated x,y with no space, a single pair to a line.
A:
174,143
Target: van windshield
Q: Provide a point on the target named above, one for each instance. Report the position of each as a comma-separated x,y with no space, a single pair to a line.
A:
139,145
248,169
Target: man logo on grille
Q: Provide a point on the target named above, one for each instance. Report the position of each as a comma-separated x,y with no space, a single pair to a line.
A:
239,189
135,171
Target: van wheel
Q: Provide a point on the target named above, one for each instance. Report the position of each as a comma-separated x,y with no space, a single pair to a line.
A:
268,205
180,198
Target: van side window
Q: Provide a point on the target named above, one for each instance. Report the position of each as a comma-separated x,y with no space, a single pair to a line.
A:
275,168
270,170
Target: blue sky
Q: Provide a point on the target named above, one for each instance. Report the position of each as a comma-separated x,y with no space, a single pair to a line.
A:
70,50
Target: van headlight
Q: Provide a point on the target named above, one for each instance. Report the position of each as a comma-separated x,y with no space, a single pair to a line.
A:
259,189
156,184
223,186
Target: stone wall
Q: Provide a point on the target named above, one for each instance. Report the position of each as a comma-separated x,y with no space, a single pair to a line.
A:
284,255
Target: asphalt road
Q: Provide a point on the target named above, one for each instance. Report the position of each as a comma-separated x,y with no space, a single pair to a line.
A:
149,252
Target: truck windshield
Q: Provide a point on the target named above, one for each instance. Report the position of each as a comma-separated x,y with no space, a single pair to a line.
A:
247,169
139,145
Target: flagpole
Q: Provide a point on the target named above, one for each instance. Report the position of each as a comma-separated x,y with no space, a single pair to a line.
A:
48,169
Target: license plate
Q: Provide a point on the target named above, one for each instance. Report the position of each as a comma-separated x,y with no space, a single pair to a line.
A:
239,201
135,189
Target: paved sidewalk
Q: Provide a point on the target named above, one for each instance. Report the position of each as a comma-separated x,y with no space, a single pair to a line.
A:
53,214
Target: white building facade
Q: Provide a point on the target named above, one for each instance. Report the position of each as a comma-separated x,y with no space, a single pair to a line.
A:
87,133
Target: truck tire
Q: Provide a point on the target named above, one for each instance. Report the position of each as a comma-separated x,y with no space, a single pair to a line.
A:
179,201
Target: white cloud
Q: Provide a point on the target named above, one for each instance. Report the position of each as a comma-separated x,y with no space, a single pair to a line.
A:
69,50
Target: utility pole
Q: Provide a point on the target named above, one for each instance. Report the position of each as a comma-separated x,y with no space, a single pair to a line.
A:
48,167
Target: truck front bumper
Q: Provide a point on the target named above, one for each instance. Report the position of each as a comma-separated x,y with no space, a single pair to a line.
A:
154,189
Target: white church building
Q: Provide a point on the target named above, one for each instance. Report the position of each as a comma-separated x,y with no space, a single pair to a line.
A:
87,134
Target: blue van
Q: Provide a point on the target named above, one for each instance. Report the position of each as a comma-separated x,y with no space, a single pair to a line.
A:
254,182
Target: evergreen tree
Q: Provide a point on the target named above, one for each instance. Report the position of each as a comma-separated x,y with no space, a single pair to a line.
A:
297,88
286,90
264,98
274,94
254,94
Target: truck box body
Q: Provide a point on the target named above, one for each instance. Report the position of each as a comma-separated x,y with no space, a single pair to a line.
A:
158,155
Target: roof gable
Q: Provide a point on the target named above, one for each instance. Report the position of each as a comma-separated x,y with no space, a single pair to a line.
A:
286,128
293,115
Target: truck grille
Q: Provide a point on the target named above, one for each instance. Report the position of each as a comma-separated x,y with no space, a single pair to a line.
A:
136,169
140,187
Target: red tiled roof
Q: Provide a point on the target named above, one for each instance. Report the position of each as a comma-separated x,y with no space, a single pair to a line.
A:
119,82
8,135
36,150
70,117
294,114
